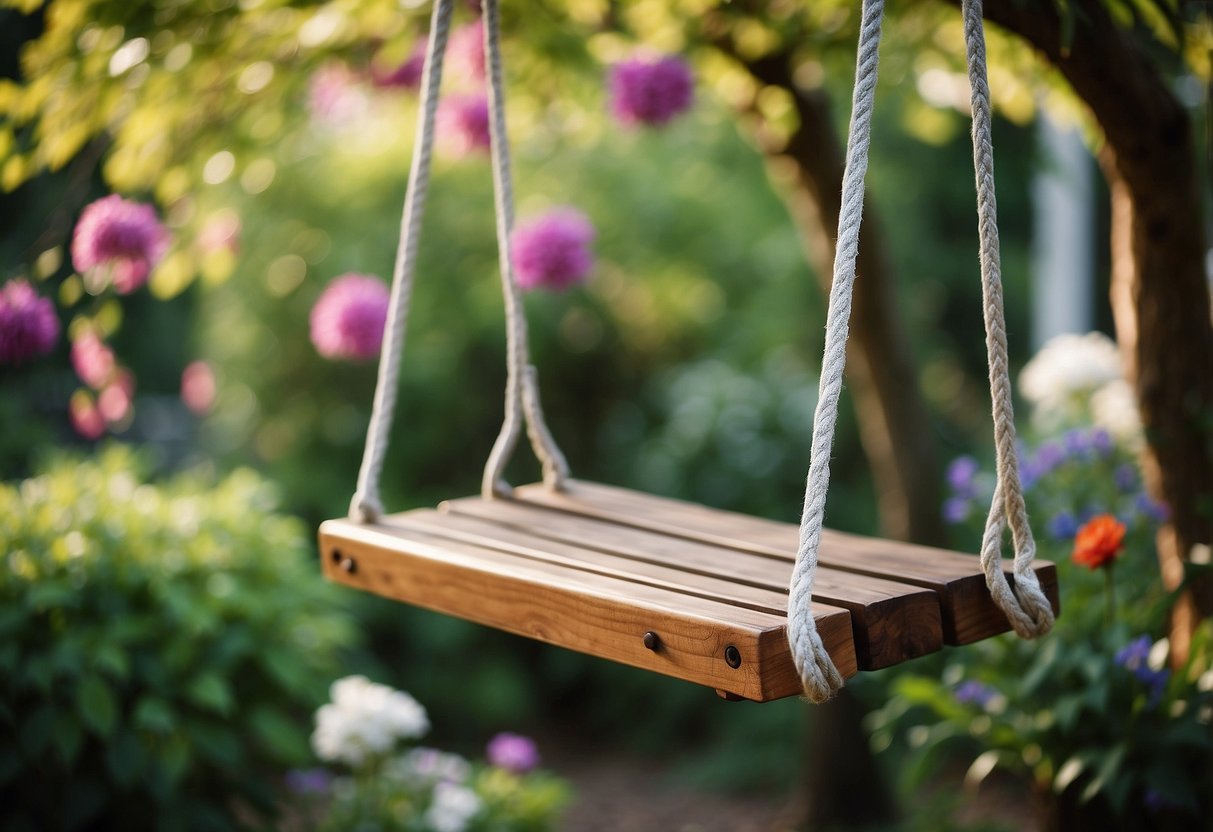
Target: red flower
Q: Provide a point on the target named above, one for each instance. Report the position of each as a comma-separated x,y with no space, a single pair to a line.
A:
1099,542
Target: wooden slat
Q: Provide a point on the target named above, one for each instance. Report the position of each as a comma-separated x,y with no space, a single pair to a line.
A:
968,614
893,622
571,607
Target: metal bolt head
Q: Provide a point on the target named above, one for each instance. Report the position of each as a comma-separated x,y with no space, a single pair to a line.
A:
651,640
732,656
349,565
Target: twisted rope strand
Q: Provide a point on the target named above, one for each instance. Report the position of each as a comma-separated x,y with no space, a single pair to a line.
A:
1026,606
366,506
522,385
817,671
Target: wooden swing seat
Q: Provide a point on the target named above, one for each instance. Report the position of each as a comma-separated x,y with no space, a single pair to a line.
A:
668,586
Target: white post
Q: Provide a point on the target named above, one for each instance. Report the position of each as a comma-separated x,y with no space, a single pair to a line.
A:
1062,262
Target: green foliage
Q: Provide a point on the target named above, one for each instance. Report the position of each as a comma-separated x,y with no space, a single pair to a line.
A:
161,644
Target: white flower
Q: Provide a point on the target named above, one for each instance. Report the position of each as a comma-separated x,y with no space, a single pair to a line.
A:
1068,368
428,766
1114,408
365,719
452,808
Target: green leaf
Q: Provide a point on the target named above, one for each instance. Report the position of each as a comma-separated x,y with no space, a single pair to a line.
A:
280,735
112,660
96,704
68,738
210,692
125,759
152,714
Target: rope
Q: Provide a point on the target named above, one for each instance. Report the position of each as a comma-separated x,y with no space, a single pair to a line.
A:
1026,606
522,384
821,679
366,506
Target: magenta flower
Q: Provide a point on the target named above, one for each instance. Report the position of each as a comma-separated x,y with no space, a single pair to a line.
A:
650,90
553,251
118,242
406,76
198,387
465,52
28,324
463,124
347,321
512,752
92,359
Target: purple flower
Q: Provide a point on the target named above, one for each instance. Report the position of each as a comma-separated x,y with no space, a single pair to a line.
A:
1063,526
406,76
118,242
28,324
956,510
512,752
1151,509
1048,456
552,251
972,692
1125,477
304,781
347,321
463,124
961,474
1101,441
465,52
1134,654
650,90
1076,443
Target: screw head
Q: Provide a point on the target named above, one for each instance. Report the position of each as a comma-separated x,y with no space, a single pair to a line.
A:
732,656
651,640
349,565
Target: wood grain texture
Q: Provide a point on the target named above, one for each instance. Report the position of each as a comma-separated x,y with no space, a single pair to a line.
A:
590,611
893,622
967,613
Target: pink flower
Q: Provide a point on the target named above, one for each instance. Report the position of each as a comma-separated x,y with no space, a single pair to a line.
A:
28,324
86,418
406,76
552,251
512,752
118,241
465,52
463,124
115,400
650,90
335,97
92,359
347,321
220,233
198,387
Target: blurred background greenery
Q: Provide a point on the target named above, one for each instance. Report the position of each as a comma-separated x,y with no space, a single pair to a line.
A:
686,366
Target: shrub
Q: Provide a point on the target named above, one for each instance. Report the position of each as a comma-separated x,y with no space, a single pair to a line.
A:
160,646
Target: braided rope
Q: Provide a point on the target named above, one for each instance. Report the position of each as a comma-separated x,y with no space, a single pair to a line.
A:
366,506
1026,606
522,385
821,679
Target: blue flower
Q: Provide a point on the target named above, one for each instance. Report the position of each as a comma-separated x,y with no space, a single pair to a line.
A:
973,692
1076,443
1048,456
1125,477
1063,526
1151,509
956,510
1134,657
1134,654
1102,442
308,780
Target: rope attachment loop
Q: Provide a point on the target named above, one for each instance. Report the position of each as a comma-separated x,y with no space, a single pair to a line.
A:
1025,605
817,671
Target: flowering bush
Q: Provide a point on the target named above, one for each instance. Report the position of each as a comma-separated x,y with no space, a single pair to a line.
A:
552,251
348,320
650,90
417,789
1109,735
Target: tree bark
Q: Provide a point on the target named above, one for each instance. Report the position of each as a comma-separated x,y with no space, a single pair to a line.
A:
894,422
1160,297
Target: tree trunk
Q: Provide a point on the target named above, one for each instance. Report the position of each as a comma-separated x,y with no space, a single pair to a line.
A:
894,423
1160,297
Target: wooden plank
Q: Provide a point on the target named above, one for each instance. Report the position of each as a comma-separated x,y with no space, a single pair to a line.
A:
572,608
893,622
968,614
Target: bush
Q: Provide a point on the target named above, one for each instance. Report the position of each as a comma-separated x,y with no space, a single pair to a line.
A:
160,646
